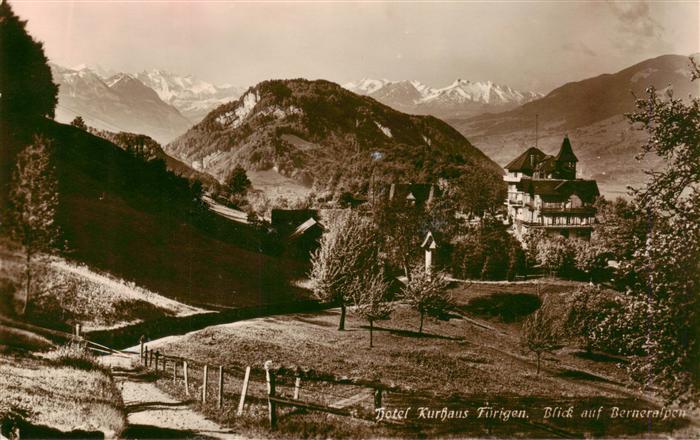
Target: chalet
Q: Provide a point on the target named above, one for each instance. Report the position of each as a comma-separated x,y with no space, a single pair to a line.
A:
544,193
299,229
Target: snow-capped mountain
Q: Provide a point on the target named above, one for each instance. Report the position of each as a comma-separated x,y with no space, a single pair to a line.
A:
118,103
193,97
461,98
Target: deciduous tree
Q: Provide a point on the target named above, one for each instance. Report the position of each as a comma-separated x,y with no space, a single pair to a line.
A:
539,334
347,252
663,272
427,294
371,301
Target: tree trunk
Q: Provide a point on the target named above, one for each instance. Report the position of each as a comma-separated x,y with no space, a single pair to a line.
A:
420,329
341,324
538,362
406,271
371,329
28,270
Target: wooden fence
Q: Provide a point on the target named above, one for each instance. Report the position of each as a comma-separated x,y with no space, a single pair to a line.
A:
298,389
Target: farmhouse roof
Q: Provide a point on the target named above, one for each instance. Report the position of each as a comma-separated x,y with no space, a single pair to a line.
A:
526,161
305,227
418,192
557,189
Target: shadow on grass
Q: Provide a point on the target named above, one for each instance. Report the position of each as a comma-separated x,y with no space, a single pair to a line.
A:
152,432
30,430
146,406
508,307
315,319
600,357
138,376
411,333
582,375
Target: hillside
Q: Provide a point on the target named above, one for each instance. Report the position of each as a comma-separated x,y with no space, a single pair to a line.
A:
143,224
592,112
462,98
325,137
118,103
148,149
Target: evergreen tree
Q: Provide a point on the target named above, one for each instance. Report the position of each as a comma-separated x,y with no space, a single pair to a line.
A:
237,182
33,205
26,86
78,122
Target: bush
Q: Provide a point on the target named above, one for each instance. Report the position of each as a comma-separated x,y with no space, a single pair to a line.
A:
591,311
488,252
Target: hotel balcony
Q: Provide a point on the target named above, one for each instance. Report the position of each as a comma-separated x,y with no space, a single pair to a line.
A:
556,226
584,211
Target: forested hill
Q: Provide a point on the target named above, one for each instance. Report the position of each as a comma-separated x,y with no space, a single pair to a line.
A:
322,134
137,220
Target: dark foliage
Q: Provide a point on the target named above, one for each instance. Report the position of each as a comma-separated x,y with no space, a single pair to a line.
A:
26,87
487,252
79,122
237,181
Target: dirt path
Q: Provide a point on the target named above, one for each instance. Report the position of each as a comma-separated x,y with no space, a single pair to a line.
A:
152,413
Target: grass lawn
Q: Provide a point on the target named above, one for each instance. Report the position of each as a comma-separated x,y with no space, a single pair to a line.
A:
463,362
49,395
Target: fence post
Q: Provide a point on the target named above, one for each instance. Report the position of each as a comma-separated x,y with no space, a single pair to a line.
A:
144,358
244,391
220,400
205,379
142,347
377,398
271,405
187,383
297,385
157,356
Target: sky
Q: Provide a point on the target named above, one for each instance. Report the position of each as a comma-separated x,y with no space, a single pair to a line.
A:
527,45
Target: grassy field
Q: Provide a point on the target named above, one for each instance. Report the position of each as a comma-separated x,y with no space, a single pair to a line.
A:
65,293
276,186
48,395
464,362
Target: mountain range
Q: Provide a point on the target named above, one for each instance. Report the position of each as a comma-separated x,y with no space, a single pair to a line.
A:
462,98
326,137
155,103
592,112
193,97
